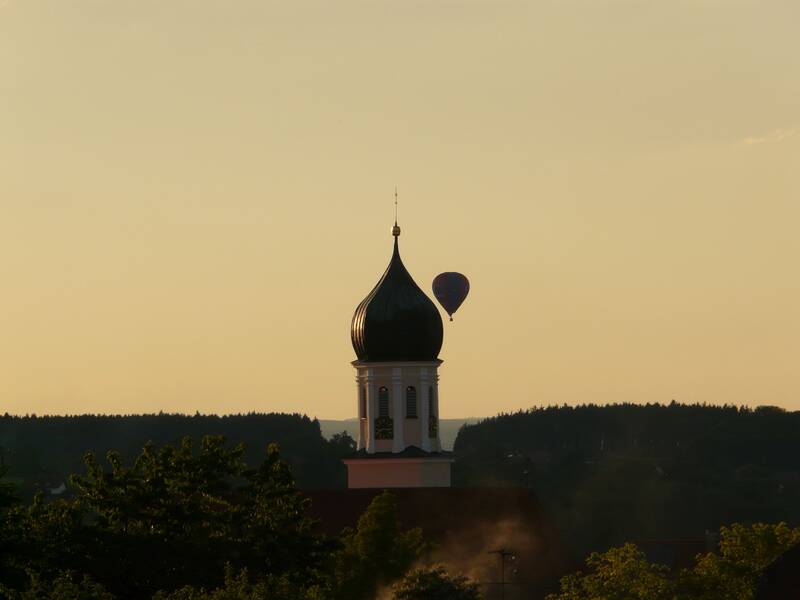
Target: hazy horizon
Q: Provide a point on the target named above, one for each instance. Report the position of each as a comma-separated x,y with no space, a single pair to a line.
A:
194,197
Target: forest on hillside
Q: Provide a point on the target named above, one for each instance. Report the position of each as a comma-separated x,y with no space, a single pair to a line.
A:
604,474
607,474
41,451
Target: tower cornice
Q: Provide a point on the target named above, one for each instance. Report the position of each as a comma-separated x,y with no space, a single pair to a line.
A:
396,363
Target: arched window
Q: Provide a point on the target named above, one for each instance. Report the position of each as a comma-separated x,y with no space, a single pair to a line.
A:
383,401
411,402
362,404
431,412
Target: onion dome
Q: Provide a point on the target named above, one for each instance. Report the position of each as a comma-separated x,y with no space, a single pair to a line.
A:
396,321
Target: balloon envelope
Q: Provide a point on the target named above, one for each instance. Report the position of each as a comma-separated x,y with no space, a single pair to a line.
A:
450,290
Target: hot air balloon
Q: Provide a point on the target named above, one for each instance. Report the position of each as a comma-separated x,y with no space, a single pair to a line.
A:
450,290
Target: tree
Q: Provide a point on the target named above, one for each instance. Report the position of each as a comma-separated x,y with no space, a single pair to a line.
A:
342,444
624,573
276,533
435,583
7,547
44,540
240,587
7,497
173,518
376,553
64,587
618,574
160,522
744,552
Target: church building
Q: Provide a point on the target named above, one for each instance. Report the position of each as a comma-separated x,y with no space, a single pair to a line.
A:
397,335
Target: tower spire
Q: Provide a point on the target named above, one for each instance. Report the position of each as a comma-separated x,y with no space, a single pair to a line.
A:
396,228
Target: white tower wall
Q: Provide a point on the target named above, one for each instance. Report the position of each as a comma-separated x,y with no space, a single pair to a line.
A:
391,426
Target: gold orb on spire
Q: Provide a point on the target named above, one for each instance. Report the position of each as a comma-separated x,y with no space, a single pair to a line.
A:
396,230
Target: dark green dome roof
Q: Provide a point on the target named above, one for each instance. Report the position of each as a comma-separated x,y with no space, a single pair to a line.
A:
396,321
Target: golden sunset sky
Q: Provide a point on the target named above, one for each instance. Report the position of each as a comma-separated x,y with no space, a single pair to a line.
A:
196,194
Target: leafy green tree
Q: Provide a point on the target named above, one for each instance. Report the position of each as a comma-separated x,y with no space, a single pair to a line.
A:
376,553
158,522
276,533
176,516
173,518
435,583
64,587
238,586
618,574
7,547
7,497
342,443
44,539
744,552
625,574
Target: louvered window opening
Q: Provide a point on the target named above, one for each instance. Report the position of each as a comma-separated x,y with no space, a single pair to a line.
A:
411,402
383,402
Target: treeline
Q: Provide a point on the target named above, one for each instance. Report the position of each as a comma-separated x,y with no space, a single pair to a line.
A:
41,451
604,474
609,474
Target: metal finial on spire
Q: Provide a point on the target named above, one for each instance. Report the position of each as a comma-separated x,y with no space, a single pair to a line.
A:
396,228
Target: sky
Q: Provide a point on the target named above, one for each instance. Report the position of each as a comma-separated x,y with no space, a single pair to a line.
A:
196,194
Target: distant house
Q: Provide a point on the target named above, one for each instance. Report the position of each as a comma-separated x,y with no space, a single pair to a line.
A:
58,490
50,483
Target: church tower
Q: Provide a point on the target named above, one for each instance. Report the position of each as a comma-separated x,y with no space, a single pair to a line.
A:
397,334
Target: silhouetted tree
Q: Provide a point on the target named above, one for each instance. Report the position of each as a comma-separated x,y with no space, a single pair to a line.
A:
342,444
435,583
620,573
624,573
44,539
63,587
7,497
240,587
375,553
175,517
744,552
